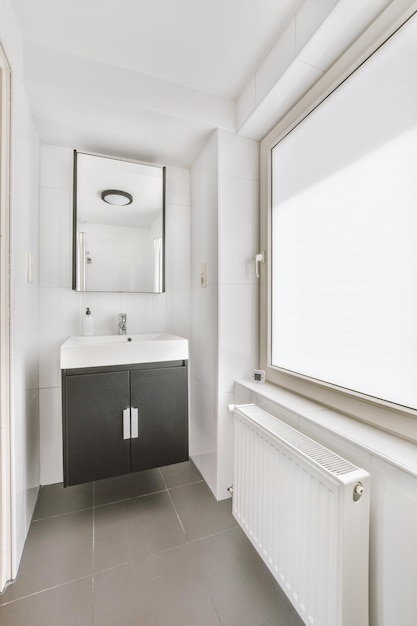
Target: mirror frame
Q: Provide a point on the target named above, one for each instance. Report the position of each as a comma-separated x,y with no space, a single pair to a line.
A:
74,222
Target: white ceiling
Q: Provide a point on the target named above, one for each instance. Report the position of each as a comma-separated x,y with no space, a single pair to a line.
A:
209,45
151,79
146,79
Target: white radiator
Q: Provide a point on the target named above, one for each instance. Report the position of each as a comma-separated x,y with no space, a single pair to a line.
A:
306,511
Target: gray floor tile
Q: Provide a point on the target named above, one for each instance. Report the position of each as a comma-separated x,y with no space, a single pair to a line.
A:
243,590
147,571
127,486
180,474
159,590
57,550
200,513
127,530
67,605
56,500
290,618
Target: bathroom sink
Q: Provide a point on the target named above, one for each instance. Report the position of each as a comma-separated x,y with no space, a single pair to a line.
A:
101,350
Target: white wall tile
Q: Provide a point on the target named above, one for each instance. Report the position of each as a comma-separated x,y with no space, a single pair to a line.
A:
104,307
239,321
203,181
225,443
26,465
225,235
55,254
32,461
239,205
75,312
393,546
25,472
204,331
204,200
204,243
28,472
178,247
238,334
238,156
235,365
50,435
177,185
159,312
203,431
25,345
146,313
54,329
204,323
179,313
204,250
56,167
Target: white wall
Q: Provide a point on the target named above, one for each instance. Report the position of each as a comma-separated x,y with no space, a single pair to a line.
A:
204,313
224,338
24,198
61,308
238,241
25,393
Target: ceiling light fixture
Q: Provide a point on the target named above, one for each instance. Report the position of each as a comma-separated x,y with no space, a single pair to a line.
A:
117,197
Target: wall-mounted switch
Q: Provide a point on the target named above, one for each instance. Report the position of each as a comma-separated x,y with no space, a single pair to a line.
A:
258,376
203,276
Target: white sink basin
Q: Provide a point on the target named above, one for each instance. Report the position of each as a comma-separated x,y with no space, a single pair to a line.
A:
104,350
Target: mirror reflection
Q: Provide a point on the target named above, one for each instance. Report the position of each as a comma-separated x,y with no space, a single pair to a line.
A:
119,209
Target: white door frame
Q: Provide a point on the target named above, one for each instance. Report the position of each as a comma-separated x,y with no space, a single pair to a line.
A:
5,429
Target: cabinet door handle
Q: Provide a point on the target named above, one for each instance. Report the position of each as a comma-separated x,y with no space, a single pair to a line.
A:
135,422
126,423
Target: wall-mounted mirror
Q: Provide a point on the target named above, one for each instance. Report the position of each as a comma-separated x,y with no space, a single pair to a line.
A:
118,232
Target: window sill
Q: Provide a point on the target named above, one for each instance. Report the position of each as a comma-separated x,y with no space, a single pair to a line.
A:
295,409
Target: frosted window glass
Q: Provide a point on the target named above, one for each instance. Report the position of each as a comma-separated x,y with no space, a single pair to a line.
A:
344,232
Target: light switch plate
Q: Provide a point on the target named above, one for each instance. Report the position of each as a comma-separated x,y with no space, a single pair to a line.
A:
29,267
258,376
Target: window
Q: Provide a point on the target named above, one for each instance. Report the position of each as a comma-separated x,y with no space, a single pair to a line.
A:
342,298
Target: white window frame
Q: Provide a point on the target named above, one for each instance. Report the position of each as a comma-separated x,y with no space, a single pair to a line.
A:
384,415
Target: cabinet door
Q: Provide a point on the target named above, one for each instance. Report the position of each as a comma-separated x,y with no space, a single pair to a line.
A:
160,396
94,447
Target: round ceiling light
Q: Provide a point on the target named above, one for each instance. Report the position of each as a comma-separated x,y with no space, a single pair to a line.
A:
117,197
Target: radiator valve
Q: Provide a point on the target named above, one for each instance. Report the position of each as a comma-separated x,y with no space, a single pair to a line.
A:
357,491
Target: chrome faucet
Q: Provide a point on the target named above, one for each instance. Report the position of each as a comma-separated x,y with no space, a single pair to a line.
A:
122,323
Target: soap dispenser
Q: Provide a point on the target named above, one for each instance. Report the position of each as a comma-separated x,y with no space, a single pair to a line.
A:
88,322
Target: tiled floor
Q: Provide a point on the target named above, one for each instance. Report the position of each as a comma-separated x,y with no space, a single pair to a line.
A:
146,549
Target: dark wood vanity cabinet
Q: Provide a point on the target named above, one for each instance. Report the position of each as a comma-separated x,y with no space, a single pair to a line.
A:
123,419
